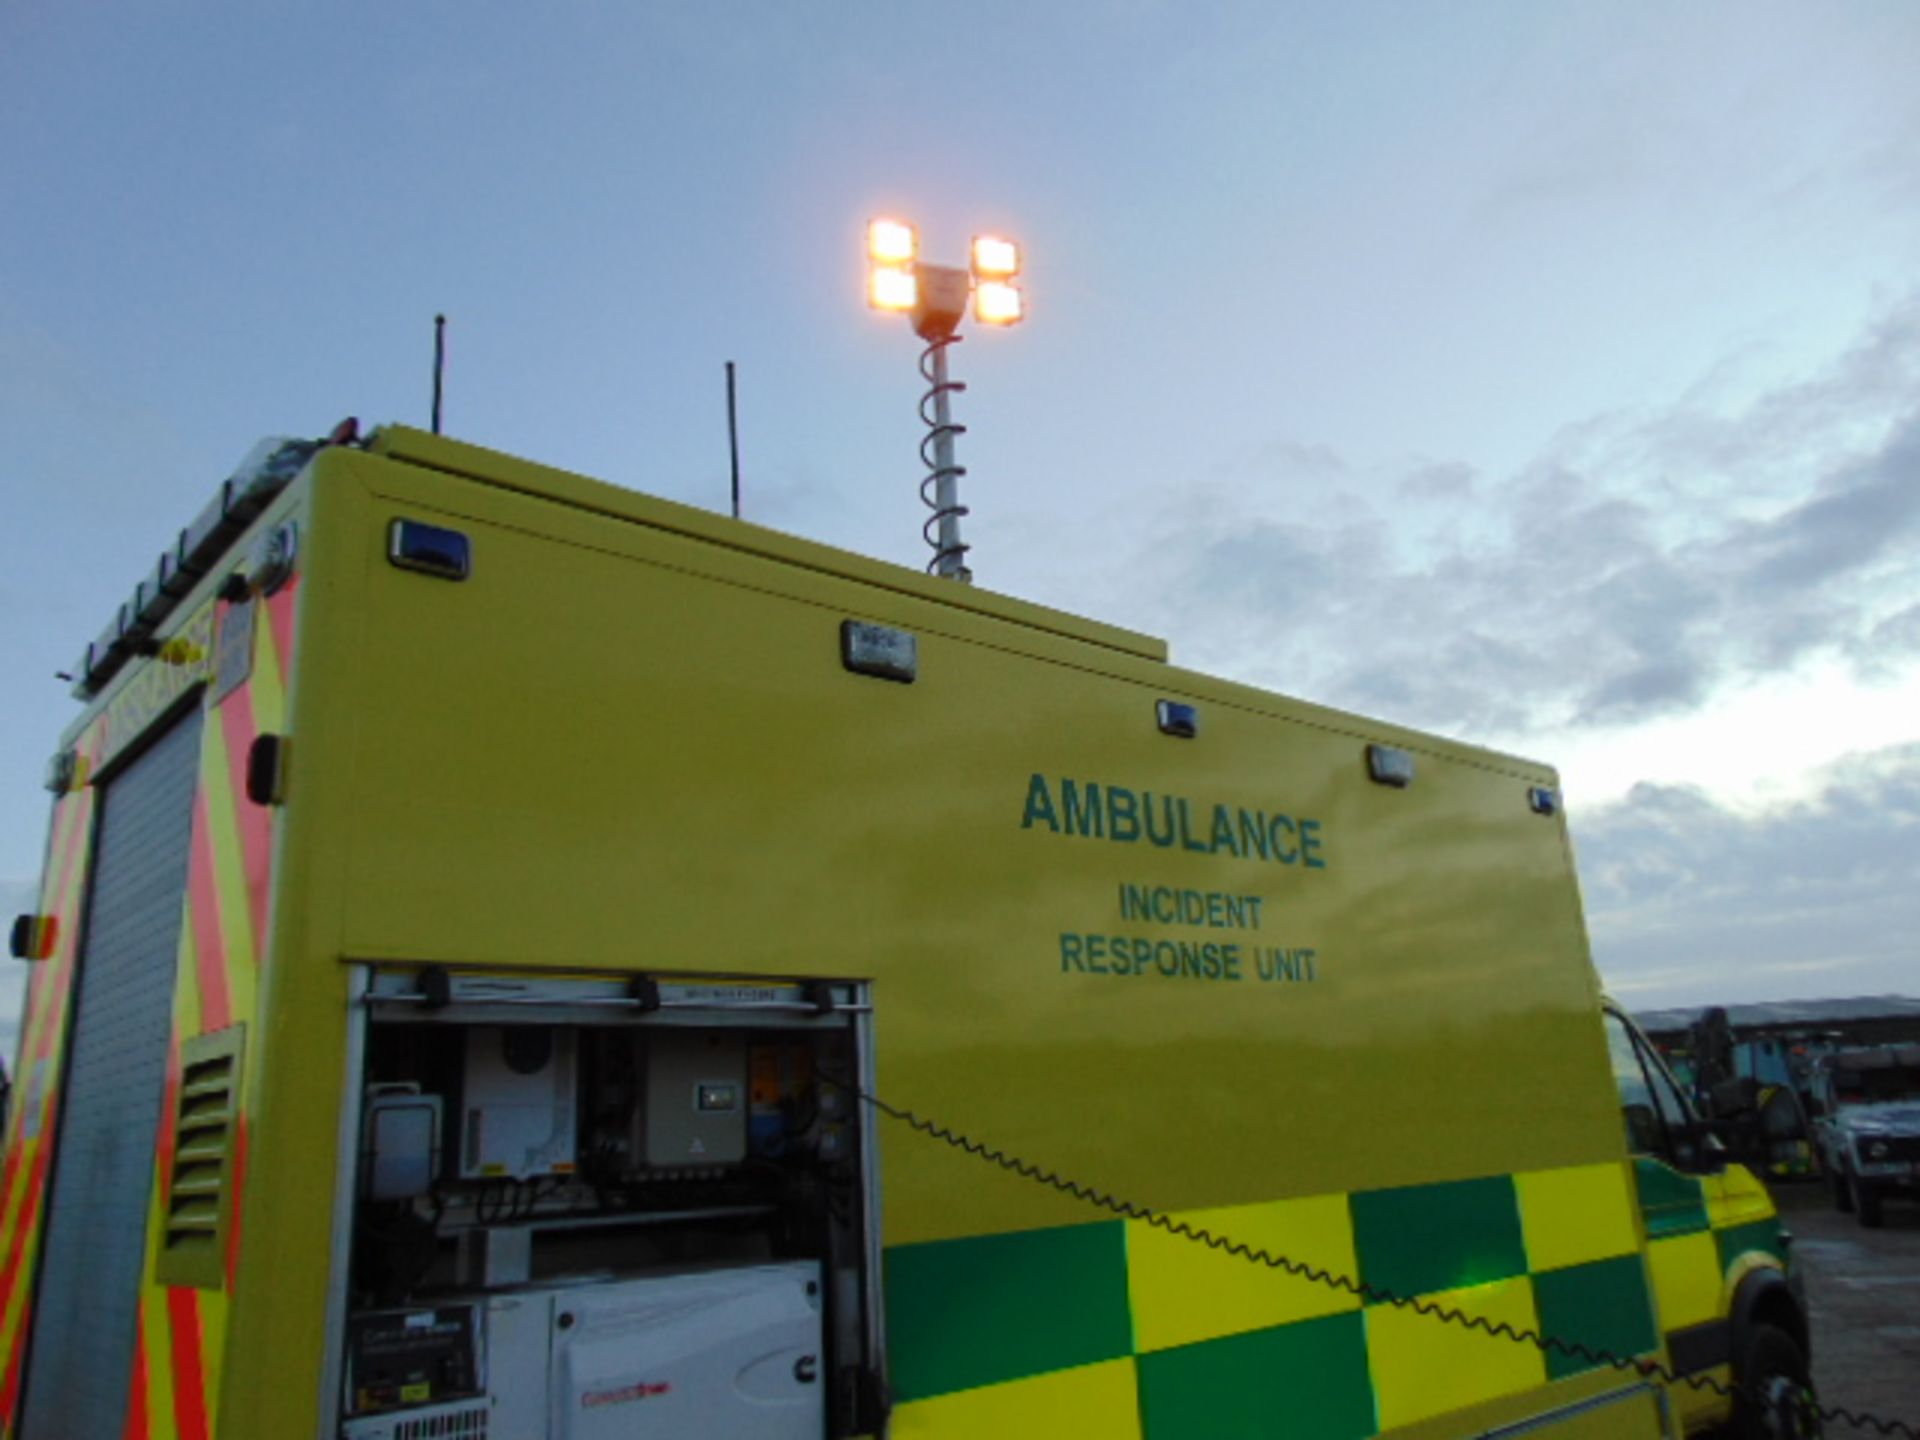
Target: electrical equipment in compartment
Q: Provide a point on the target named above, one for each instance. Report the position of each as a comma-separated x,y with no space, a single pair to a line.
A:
519,1102
648,1200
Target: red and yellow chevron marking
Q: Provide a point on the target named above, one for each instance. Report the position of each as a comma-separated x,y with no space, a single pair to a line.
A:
36,1077
223,941
181,1332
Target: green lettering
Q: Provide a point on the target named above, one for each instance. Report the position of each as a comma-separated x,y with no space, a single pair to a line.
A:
1083,819
1253,835
1186,830
1275,826
1154,833
1310,845
1274,964
1123,813
1070,953
1039,805
1223,831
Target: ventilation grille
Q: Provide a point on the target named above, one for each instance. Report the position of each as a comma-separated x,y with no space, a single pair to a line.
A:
467,1423
199,1183
456,1420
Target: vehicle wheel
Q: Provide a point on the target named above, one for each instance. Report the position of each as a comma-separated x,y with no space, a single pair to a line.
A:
1842,1191
1776,1399
1867,1204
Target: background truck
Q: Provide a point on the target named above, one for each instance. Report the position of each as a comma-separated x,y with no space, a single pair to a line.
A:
1868,1128
1762,1122
519,959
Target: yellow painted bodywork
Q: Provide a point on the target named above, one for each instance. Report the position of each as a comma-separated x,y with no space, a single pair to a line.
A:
1423,1368
1089,1400
1182,1292
627,744
1578,1214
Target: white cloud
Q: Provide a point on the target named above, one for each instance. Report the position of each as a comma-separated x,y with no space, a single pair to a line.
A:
1689,900
1707,615
1759,745
1642,570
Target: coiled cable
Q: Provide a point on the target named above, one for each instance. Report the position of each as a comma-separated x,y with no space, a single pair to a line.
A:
1794,1411
945,557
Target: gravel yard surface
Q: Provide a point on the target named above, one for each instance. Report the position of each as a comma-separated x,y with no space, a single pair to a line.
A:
1863,1287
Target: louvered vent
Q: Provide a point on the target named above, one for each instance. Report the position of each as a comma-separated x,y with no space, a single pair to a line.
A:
199,1198
468,1422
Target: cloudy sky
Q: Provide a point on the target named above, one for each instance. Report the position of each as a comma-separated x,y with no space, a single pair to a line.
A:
1547,375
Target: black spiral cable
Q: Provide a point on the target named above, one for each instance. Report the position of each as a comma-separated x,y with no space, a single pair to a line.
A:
1805,1407
937,472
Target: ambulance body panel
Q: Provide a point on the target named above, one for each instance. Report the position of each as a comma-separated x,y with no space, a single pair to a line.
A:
1162,935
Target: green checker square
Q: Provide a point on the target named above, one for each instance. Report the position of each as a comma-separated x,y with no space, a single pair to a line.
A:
1673,1204
1305,1381
1422,1238
1735,1240
1603,1305
992,1308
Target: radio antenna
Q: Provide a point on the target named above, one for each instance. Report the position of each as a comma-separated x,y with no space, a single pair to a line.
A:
733,439
439,365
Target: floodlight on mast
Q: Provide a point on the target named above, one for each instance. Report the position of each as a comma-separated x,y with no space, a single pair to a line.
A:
935,299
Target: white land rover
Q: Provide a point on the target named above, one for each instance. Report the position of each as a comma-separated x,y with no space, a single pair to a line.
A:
1867,1126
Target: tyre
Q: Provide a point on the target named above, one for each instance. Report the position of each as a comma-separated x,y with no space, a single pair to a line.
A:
1867,1203
1842,1191
1776,1399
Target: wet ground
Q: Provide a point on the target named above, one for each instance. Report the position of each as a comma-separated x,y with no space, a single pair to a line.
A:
1863,1287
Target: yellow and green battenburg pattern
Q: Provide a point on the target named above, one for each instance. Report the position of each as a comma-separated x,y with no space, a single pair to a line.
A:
180,1330
1119,1329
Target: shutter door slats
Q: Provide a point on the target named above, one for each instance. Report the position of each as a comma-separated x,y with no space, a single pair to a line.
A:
80,1360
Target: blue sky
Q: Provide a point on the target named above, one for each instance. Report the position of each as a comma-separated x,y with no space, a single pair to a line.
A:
1545,375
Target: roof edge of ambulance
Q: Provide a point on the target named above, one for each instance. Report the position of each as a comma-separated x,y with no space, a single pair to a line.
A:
409,446
1371,729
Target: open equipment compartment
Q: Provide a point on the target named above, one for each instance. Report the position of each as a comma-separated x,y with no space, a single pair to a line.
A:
577,1196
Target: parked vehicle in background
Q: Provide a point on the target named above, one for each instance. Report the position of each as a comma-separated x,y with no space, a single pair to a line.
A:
1867,1125
1762,1123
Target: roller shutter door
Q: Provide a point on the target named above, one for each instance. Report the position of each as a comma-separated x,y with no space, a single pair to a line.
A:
80,1359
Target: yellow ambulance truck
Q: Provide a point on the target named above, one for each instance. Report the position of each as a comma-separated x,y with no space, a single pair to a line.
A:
521,960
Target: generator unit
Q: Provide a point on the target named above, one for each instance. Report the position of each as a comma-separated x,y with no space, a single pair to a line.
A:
731,1353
